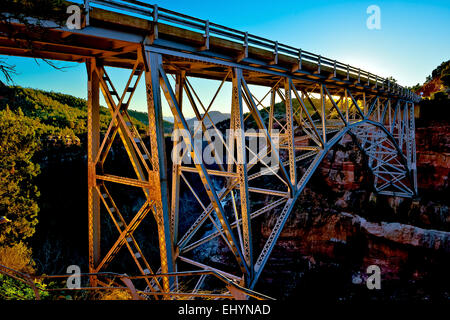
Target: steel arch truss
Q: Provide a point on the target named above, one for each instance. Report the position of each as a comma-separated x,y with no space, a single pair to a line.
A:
214,232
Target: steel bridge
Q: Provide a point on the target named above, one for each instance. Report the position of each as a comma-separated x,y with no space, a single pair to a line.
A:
323,100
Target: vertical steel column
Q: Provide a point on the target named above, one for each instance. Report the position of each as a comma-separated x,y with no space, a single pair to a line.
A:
159,162
365,110
390,114
383,115
378,111
324,118
176,171
394,120
271,110
180,79
346,106
234,118
402,133
93,144
290,131
413,146
408,135
242,171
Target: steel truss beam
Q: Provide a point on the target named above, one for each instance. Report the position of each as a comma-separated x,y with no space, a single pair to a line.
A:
315,117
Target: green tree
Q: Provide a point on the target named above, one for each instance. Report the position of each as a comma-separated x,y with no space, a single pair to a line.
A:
18,193
17,257
445,76
446,80
415,88
21,11
392,79
13,289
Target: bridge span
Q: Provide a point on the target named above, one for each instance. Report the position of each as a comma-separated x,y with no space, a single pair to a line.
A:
323,100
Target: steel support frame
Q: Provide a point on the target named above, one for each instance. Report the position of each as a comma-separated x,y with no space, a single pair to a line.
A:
383,132
146,167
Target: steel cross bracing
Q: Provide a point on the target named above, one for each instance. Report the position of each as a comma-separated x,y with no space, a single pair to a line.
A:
230,197
322,101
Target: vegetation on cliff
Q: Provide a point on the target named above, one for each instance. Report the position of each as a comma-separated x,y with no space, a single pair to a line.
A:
42,148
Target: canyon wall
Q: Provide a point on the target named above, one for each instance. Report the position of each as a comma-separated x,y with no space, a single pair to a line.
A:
339,228
433,155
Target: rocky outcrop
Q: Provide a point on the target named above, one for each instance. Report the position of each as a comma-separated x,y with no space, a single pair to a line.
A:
339,228
343,167
433,155
405,234
319,241
430,87
317,231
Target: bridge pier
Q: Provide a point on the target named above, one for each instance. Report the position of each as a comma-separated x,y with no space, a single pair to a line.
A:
165,220
93,131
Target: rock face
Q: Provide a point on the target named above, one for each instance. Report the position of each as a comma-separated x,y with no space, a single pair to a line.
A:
339,228
323,247
344,174
343,167
433,155
431,87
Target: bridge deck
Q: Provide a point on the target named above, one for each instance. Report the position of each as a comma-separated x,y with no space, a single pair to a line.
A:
116,37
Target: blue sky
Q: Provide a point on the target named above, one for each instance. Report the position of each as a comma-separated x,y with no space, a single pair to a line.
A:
413,39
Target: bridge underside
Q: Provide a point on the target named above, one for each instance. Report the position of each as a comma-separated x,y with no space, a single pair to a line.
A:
212,233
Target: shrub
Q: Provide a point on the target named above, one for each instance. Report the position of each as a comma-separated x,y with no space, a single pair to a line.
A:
17,257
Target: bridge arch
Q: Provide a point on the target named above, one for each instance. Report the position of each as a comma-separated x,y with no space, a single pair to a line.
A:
391,156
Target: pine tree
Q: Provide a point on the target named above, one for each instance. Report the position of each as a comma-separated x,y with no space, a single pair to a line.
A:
18,193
